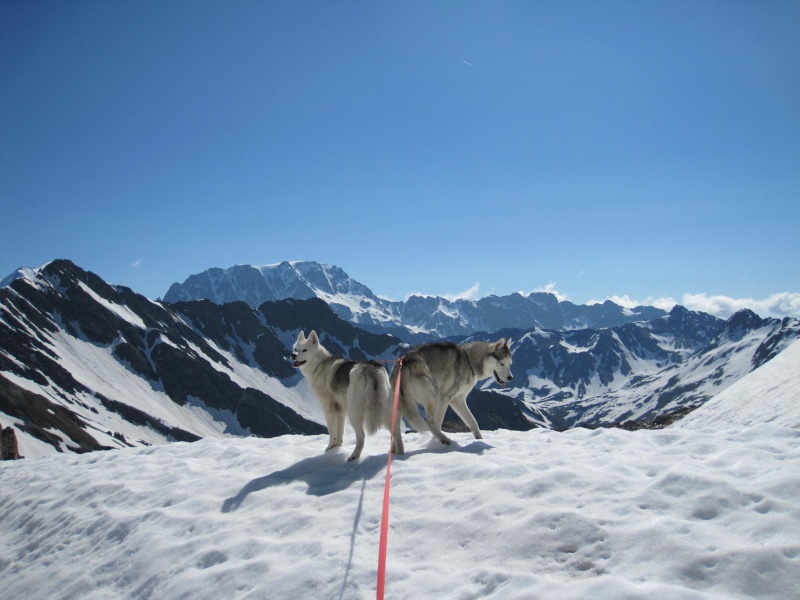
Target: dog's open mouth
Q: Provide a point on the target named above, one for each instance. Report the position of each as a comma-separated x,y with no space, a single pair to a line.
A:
497,378
298,363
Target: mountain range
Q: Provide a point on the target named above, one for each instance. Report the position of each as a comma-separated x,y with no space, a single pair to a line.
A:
417,319
87,365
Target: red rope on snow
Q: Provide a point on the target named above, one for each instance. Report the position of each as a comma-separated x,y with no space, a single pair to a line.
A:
381,586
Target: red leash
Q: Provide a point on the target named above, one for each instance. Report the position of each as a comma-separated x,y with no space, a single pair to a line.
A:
385,518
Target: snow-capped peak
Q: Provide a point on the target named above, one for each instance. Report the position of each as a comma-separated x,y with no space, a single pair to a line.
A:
419,313
22,273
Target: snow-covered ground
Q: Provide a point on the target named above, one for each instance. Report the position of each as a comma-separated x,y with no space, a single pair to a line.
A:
707,509
677,513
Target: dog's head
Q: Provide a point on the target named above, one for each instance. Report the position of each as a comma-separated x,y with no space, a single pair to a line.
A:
498,362
305,349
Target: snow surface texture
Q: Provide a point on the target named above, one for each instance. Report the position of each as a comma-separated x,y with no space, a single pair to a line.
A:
677,513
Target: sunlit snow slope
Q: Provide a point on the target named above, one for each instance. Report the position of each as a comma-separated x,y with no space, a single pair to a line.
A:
770,394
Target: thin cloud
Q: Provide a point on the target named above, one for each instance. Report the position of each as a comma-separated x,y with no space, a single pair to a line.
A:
550,288
781,304
625,301
137,263
468,64
663,303
469,294
777,305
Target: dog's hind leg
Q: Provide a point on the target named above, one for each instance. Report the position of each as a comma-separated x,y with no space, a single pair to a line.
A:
425,390
407,403
358,426
397,437
435,419
459,404
408,409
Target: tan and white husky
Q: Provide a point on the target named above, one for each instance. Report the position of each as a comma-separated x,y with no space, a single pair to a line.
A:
355,389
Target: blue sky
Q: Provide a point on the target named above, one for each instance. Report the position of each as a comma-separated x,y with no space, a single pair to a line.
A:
635,150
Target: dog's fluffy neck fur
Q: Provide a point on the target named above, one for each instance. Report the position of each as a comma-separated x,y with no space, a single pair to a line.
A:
476,354
325,357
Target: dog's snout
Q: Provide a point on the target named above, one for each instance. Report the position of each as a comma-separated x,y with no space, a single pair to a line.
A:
294,355
510,376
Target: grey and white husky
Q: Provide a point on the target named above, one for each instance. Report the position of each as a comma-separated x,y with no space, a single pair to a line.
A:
356,389
441,374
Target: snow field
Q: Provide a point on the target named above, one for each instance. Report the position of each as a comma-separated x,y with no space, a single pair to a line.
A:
603,514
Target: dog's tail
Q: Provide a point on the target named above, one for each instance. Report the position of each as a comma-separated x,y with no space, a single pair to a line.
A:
369,398
407,405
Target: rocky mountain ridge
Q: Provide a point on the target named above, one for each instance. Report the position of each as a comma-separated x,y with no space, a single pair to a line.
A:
417,319
86,365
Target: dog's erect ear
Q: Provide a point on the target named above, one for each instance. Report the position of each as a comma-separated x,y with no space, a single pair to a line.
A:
312,337
508,344
301,337
500,344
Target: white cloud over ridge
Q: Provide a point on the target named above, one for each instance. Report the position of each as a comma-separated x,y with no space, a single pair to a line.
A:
626,301
550,288
468,294
777,305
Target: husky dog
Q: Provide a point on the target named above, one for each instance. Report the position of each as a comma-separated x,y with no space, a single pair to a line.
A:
443,373
359,390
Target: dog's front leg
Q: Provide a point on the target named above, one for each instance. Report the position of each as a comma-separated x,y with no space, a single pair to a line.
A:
340,429
335,421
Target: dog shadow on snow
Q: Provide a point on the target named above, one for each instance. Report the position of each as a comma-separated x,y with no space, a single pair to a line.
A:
330,472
